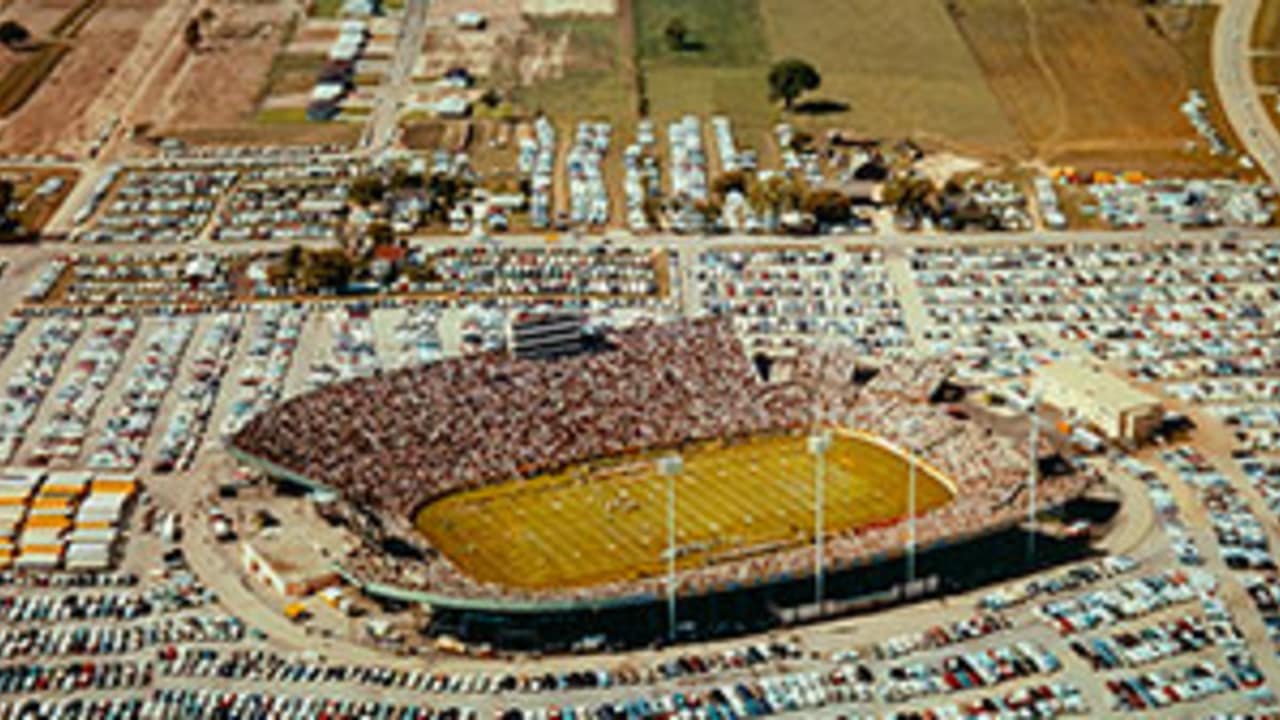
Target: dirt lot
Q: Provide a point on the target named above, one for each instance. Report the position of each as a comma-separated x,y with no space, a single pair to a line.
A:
38,16
109,58
1065,73
36,211
232,65
569,7
1266,31
508,50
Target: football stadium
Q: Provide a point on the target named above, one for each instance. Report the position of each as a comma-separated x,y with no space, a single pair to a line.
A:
527,497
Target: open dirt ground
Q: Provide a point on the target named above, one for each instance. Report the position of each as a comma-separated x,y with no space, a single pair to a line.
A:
1096,83
508,50
232,65
569,7
92,85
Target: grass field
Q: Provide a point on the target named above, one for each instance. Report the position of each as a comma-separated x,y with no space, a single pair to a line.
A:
602,522
293,73
593,84
902,68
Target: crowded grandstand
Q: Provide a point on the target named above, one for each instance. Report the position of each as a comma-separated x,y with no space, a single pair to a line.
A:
396,442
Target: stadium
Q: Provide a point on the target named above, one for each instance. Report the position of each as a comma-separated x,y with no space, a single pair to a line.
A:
526,499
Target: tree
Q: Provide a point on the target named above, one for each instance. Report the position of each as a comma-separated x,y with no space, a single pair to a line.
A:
327,270
791,77
192,33
828,207
380,233
366,190
729,181
446,191
677,34
775,195
12,33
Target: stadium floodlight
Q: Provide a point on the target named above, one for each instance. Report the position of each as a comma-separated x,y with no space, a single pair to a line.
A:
911,515
912,429
1033,472
818,444
670,467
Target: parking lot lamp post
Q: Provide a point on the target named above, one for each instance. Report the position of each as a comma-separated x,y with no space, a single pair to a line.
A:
818,445
670,467
1033,472
911,515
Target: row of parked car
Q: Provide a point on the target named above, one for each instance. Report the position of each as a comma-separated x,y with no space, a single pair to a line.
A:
266,666
262,374
1242,539
100,639
28,678
1194,315
940,636
1153,643
1125,601
103,601
128,429
287,203
152,284
1163,689
190,418
967,671
64,432
775,296
31,380
160,206
1052,700
1072,579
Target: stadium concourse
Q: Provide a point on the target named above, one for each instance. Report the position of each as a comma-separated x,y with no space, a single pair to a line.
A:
398,441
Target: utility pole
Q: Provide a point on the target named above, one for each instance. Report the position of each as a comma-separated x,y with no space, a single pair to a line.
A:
670,467
819,442
1032,477
911,515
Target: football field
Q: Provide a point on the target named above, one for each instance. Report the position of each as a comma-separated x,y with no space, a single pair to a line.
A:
606,521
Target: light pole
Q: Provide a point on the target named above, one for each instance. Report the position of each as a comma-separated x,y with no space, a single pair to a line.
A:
1032,477
819,442
670,467
911,515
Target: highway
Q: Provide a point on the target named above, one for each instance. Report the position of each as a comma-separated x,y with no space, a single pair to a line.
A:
1237,87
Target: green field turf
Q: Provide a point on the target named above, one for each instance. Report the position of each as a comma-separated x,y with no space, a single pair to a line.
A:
606,521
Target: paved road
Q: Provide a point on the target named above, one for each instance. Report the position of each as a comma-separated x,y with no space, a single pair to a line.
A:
381,130
1237,87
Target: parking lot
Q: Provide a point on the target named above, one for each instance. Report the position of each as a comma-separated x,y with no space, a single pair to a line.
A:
122,366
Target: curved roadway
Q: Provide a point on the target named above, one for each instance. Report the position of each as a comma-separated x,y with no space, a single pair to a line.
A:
1237,87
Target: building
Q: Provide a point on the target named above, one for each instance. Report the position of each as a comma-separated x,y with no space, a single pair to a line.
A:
287,563
1106,402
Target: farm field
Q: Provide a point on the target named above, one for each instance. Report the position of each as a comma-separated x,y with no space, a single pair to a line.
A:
923,83
606,521
1065,74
